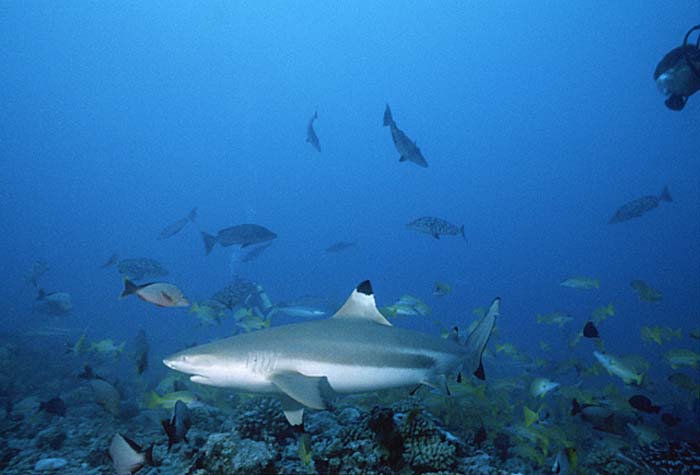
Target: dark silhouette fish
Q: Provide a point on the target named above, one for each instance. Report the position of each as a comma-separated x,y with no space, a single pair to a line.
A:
311,136
341,246
54,406
239,235
179,423
176,227
53,303
407,148
640,206
141,352
590,331
643,403
435,227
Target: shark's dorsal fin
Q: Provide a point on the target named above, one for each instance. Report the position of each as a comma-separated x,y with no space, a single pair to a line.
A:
361,306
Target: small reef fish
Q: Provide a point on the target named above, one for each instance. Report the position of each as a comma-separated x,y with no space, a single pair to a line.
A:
341,246
106,395
53,303
555,318
441,289
250,320
643,404
107,347
541,386
239,235
581,283
407,148
659,335
160,294
54,406
168,401
617,367
174,228
209,311
645,292
682,357
311,136
600,314
436,227
406,306
141,268
640,206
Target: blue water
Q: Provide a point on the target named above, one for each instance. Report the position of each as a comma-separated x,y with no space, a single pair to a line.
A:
538,120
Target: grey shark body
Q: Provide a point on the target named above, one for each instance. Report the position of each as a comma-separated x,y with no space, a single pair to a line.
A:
356,350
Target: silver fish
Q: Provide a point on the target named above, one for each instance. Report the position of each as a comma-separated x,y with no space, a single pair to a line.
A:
176,227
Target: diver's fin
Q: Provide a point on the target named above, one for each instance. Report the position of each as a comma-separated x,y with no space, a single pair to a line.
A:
306,390
361,306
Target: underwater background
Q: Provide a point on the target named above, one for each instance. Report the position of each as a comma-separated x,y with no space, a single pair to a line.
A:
538,121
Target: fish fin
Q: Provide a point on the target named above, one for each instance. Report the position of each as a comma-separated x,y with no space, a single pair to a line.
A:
293,411
193,214
209,241
665,195
435,235
477,339
41,294
306,390
361,306
169,431
129,288
388,119
461,231
402,158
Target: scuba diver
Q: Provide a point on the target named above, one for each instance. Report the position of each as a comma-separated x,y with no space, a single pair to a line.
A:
678,74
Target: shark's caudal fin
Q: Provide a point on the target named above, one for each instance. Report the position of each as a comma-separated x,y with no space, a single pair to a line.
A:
209,241
477,339
361,306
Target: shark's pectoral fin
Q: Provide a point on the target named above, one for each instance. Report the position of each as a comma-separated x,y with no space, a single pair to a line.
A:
306,390
293,410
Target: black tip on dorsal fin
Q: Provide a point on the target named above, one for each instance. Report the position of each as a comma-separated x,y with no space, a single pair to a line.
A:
365,288
479,373
136,447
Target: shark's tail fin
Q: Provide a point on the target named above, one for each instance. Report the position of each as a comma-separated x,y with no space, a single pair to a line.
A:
209,242
665,195
477,339
388,119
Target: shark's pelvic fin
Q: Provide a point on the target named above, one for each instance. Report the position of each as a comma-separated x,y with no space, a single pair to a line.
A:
293,411
361,306
306,390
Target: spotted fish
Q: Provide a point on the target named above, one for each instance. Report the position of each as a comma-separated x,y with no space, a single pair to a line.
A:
640,206
436,227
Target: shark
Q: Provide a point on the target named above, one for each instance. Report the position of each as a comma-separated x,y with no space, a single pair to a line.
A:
355,350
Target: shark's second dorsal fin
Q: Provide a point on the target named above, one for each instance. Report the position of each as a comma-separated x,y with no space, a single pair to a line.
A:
360,306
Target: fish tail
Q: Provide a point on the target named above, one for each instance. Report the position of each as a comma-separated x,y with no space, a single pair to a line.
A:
169,431
129,288
575,407
461,231
665,195
388,119
477,339
209,242
193,214
152,400
315,114
41,294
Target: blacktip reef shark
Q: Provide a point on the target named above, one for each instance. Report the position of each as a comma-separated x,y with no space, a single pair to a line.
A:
355,350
